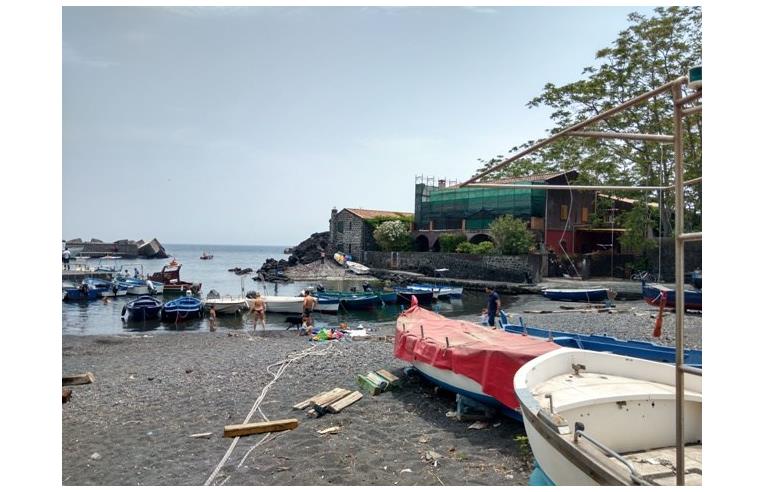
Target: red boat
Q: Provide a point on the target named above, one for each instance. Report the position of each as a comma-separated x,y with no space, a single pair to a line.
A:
466,358
170,277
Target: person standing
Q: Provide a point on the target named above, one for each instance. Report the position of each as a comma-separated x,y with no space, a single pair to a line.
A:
323,256
494,304
308,305
258,307
65,256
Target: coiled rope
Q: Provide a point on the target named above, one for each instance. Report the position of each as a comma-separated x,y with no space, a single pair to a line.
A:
283,365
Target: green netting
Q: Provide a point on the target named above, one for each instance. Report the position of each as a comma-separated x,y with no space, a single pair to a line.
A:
479,206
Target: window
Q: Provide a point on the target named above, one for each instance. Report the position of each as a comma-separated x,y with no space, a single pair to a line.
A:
585,215
350,249
340,226
563,212
350,225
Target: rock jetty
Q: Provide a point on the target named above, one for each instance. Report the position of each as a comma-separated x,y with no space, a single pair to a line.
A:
126,248
304,253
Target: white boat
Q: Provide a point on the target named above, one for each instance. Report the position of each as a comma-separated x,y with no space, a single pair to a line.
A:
283,304
155,288
227,305
357,268
594,418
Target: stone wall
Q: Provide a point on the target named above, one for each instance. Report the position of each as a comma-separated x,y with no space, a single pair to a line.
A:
477,267
353,238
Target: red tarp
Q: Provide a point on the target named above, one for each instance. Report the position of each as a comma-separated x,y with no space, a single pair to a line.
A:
488,357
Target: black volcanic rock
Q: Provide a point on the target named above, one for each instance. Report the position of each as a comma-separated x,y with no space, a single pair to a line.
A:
309,250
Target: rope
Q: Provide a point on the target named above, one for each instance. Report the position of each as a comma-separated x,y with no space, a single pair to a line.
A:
565,229
284,364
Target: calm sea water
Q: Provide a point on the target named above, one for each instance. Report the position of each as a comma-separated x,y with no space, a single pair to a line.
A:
97,318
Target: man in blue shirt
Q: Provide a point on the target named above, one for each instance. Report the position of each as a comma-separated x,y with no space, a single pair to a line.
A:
494,304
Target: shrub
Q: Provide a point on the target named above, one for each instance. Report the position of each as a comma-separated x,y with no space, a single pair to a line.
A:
393,235
484,248
449,242
512,235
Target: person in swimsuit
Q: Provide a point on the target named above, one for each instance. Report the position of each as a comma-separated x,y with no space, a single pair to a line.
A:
308,305
258,307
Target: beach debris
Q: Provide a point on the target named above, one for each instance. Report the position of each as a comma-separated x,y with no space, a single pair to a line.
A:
369,386
78,379
205,435
259,427
406,470
321,403
344,402
478,425
496,424
424,439
392,380
312,413
132,376
66,394
451,414
189,371
283,468
432,456
95,456
330,430
151,378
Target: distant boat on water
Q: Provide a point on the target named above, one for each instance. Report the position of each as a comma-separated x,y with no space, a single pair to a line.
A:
206,256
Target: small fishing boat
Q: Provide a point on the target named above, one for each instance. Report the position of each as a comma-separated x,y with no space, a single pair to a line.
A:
142,309
439,291
106,287
351,300
357,268
327,305
205,256
88,290
652,294
339,258
697,279
404,295
593,294
226,304
283,304
464,357
134,286
181,309
155,288
603,343
594,418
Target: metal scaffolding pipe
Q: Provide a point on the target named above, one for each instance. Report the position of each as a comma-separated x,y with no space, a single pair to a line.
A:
693,181
604,115
625,136
692,110
695,95
690,236
570,187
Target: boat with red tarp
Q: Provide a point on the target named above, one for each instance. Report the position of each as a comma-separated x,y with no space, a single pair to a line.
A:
464,357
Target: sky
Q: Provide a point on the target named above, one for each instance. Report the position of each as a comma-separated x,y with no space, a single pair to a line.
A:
229,125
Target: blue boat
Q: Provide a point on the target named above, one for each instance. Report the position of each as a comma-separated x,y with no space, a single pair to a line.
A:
351,301
182,308
697,279
89,290
423,296
651,293
602,343
594,294
439,291
142,309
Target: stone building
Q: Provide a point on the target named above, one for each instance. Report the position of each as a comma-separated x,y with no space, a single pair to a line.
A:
351,233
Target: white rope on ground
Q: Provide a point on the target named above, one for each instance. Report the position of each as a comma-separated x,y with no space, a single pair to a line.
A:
285,363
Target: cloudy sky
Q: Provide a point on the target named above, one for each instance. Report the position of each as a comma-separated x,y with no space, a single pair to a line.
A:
246,125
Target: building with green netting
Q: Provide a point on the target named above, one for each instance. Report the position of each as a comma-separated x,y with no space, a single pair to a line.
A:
560,219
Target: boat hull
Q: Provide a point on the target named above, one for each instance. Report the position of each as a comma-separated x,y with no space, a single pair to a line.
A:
652,295
227,306
424,297
283,304
576,295
182,309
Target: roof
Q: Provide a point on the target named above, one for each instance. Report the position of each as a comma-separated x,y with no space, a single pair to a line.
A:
532,177
373,214
627,200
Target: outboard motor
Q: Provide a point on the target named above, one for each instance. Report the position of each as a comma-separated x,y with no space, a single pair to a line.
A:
366,287
213,294
320,288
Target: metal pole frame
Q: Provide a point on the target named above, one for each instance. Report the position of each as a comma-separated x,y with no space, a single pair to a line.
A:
675,86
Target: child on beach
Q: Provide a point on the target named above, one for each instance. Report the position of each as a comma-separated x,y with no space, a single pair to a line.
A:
307,326
213,318
484,317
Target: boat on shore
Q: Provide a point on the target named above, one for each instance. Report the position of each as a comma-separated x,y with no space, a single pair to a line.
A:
595,418
602,343
404,295
181,309
142,309
351,300
439,291
464,357
283,304
652,294
227,304
357,268
593,294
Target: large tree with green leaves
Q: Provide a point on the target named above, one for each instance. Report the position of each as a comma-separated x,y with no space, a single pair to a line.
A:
651,51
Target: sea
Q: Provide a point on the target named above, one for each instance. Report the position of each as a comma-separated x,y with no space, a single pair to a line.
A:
100,318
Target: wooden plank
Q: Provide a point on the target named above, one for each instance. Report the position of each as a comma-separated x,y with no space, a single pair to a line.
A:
330,397
305,404
378,380
339,405
77,379
391,378
368,386
259,427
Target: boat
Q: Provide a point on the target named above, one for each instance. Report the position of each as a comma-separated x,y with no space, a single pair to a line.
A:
464,357
439,291
205,256
357,268
603,343
283,304
169,276
226,304
181,309
155,288
351,300
594,418
327,305
134,286
652,294
107,288
86,291
339,258
593,294
404,295
697,279
142,309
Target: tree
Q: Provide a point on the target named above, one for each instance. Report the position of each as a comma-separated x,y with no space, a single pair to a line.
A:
651,51
393,235
638,222
512,235
449,242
